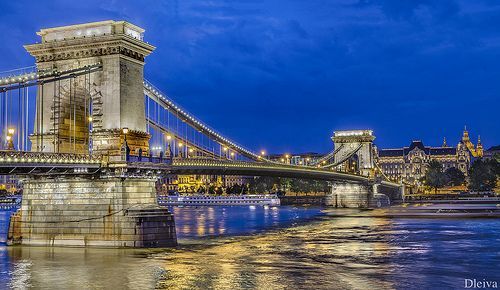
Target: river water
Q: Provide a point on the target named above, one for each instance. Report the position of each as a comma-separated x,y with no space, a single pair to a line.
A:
274,248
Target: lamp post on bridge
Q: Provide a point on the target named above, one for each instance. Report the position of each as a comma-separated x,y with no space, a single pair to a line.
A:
10,139
180,149
125,148
225,152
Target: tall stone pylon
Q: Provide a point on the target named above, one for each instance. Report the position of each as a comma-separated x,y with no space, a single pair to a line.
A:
91,110
357,144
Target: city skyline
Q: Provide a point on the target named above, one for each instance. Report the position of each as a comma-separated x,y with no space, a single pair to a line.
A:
224,63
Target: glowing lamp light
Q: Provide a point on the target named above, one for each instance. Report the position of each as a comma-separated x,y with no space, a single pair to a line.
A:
11,131
180,144
9,137
125,130
169,137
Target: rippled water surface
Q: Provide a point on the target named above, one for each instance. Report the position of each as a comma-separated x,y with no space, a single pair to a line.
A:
275,248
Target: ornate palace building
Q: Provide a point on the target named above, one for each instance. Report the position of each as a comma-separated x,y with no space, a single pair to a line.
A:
410,163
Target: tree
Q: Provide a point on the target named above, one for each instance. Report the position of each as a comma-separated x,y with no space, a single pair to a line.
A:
496,156
483,175
263,184
455,176
434,176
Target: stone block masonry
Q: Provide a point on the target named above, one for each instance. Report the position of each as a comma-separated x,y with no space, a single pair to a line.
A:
103,212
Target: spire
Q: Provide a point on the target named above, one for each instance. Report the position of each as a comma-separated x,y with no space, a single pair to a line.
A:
479,147
444,142
465,136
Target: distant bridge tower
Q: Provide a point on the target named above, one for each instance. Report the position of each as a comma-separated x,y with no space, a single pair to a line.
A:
354,151
91,109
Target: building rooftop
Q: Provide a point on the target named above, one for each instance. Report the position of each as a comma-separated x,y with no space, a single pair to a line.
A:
394,152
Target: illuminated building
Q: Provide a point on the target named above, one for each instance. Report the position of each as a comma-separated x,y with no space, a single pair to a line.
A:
296,159
195,183
410,163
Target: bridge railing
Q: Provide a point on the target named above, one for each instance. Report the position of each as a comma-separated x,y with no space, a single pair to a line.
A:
233,163
150,159
47,157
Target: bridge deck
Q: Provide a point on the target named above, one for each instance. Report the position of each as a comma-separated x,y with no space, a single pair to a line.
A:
23,163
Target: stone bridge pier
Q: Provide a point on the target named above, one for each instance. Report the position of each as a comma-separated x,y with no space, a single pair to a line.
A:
356,195
100,212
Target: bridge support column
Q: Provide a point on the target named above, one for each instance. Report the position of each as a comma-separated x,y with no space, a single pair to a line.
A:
103,212
349,195
356,195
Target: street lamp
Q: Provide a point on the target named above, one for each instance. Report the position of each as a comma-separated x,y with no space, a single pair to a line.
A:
10,141
125,132
10,144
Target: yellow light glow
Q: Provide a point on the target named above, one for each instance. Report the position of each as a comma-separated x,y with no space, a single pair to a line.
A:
90,119
262,152
180,144
125,130
224,149
169,137
9,137
11,131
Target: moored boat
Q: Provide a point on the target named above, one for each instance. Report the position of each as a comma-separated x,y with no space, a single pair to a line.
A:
211,200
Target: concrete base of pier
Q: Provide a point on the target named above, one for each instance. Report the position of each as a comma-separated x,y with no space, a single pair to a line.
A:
107,212
355,195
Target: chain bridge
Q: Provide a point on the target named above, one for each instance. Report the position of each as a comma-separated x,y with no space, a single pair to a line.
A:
89,137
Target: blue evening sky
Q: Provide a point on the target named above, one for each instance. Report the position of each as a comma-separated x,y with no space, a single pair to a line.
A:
283,75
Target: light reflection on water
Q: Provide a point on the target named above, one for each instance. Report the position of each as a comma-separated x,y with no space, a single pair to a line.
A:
329,252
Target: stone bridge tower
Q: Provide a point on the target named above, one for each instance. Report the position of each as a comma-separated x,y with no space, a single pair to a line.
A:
354,151
91,109
115,208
